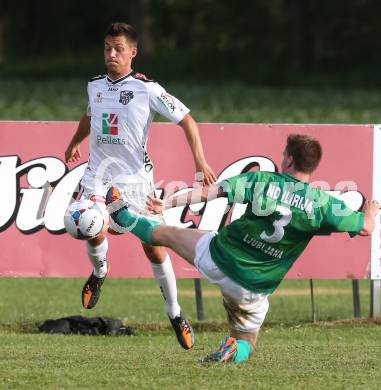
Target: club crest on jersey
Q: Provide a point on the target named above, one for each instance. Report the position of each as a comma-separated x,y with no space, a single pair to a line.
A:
125,97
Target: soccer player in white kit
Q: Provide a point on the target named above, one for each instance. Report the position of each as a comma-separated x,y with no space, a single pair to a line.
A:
121,107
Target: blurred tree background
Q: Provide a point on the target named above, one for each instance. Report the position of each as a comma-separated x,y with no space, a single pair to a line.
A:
268,42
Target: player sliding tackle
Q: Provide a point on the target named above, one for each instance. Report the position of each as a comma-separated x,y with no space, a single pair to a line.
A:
249,258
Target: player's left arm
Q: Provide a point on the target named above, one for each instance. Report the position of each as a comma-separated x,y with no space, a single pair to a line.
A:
189,125
340,218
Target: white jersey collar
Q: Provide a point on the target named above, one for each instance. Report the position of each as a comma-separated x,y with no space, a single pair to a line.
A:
120,79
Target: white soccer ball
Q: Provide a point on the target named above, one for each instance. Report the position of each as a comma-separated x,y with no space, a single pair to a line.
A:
85,219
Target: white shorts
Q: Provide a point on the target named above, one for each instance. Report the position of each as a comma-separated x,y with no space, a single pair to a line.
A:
135,194
246,310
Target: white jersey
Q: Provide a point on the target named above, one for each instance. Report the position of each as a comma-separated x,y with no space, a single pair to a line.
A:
121,113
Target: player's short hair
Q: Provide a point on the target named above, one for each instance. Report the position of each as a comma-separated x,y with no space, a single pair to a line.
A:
306,152
116,29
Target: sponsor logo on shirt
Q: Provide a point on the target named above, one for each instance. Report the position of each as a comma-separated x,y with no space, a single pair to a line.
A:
125,97
167,100
109,123
110,129
113,89
109,140
98,98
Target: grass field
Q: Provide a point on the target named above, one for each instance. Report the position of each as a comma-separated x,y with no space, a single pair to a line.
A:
292,352
231,102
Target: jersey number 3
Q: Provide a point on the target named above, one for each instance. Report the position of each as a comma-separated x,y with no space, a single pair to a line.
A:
279,225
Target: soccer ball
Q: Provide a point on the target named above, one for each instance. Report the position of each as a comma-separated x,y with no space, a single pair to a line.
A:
85,219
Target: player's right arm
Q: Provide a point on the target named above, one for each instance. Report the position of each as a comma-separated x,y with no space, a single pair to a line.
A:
237,189
73,153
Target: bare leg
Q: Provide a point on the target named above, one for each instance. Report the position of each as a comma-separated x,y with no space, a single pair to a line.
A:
155,254
182,241
97,240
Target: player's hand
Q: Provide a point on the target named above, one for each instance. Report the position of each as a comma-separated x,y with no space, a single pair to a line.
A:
205,175
72,153
372,207
155,205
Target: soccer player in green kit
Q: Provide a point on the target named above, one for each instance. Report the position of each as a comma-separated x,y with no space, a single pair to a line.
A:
248,258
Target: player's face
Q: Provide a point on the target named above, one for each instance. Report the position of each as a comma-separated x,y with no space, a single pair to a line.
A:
118,54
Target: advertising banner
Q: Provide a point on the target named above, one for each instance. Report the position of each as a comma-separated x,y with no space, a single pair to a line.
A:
36,187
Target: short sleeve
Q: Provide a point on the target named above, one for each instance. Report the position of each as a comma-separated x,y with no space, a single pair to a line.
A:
165,104
239,188
340,218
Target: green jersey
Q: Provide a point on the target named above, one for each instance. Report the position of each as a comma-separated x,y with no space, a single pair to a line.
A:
283,214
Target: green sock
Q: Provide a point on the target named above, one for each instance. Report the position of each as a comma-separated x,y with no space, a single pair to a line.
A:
244,350
138,225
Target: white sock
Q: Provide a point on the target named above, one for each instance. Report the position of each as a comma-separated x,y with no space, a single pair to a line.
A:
166,278
97,256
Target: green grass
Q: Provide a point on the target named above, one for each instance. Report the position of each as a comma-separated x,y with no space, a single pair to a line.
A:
320,357
231,102
139,301
292,352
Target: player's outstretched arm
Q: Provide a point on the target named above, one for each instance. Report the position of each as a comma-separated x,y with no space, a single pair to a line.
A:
73,153
192,134
370,209
201,194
